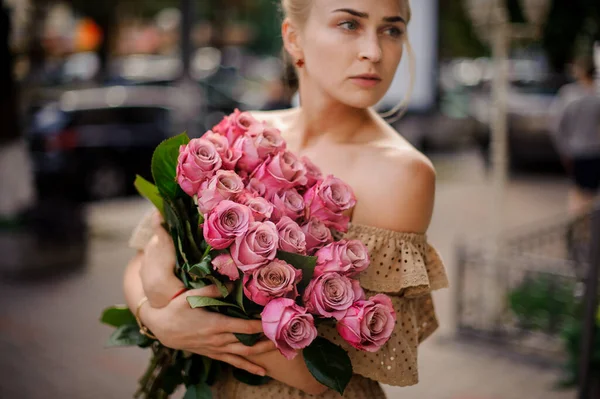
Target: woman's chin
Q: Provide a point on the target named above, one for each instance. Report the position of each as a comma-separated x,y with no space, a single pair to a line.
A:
361,101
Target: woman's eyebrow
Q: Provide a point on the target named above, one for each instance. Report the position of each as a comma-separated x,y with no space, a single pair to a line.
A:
360,14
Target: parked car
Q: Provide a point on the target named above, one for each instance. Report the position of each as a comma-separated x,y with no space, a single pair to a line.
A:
92,142
529,117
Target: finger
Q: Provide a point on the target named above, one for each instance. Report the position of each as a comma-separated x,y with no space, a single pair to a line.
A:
157,221
241,363
221,340
243,350
210,291
241,326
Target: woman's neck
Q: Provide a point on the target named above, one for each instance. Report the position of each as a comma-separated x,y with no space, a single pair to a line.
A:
321,116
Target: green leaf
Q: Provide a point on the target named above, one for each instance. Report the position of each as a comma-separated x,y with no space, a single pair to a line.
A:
222,287
329,364
236,312
239,294
192,240
127,335
200,270
249,378
150,192
305,263
207,364
181,251
248,339
164,165
199,391
202,302
116,316
197,284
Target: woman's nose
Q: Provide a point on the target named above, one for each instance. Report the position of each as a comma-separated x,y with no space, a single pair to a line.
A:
370,49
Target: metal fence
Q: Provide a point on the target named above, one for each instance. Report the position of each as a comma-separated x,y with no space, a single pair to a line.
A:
544,297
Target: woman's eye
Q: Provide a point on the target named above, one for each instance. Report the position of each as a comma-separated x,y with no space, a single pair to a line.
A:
349,25
394,32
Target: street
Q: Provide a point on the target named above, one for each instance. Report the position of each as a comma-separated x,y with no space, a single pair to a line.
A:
52,342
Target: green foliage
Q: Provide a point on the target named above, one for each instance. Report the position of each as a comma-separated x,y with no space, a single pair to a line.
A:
127,335
543,302
457,36
547,303
249,378
570,28
116,316
329,364
305,263
150,192
164,166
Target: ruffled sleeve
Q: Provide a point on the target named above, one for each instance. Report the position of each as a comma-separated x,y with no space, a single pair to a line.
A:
407,268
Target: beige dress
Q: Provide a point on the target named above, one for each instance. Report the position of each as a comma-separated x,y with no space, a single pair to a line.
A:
404,266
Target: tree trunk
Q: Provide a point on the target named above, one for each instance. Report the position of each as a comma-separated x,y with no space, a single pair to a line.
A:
8,94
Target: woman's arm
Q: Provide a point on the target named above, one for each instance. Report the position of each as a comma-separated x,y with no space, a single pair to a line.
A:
178,326
290,372
150,273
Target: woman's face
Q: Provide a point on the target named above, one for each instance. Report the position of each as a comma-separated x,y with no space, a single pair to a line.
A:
352,48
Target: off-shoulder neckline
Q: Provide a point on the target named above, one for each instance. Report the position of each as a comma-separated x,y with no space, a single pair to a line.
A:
381,232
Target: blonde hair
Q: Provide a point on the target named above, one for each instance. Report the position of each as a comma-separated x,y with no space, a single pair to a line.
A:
298,12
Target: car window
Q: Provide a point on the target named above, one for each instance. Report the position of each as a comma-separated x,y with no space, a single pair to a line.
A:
121,116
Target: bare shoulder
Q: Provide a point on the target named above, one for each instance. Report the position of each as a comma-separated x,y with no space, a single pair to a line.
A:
277,118
402,196
395,158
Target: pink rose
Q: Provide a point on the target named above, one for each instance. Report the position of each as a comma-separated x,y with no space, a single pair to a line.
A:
257,247
220,142
347,257
235,125
225,223
328,199
249,159
224,185
229,156
289,326
198,161
313,173
331,294
368,324
267,140
260,207
257,187
291,236
317,235
276,279
280,172
287,203
225,265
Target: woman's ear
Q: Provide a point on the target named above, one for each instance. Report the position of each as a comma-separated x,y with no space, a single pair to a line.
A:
291,40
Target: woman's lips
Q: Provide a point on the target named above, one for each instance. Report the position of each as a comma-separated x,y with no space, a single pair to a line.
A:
365,81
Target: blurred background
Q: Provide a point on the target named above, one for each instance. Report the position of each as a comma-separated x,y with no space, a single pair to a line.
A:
89,88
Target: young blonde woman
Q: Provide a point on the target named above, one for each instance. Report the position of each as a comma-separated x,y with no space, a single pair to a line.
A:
346,53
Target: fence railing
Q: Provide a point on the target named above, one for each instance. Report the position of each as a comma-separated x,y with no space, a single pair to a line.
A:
546,283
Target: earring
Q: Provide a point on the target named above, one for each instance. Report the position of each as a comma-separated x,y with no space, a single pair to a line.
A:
300,63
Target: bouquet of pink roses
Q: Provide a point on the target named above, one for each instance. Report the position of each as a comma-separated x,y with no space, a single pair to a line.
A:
241,208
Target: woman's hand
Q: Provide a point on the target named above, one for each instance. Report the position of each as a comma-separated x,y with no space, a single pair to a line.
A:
158,266
206,333
177,325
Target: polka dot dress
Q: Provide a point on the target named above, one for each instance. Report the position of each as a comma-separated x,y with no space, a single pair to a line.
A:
404,266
